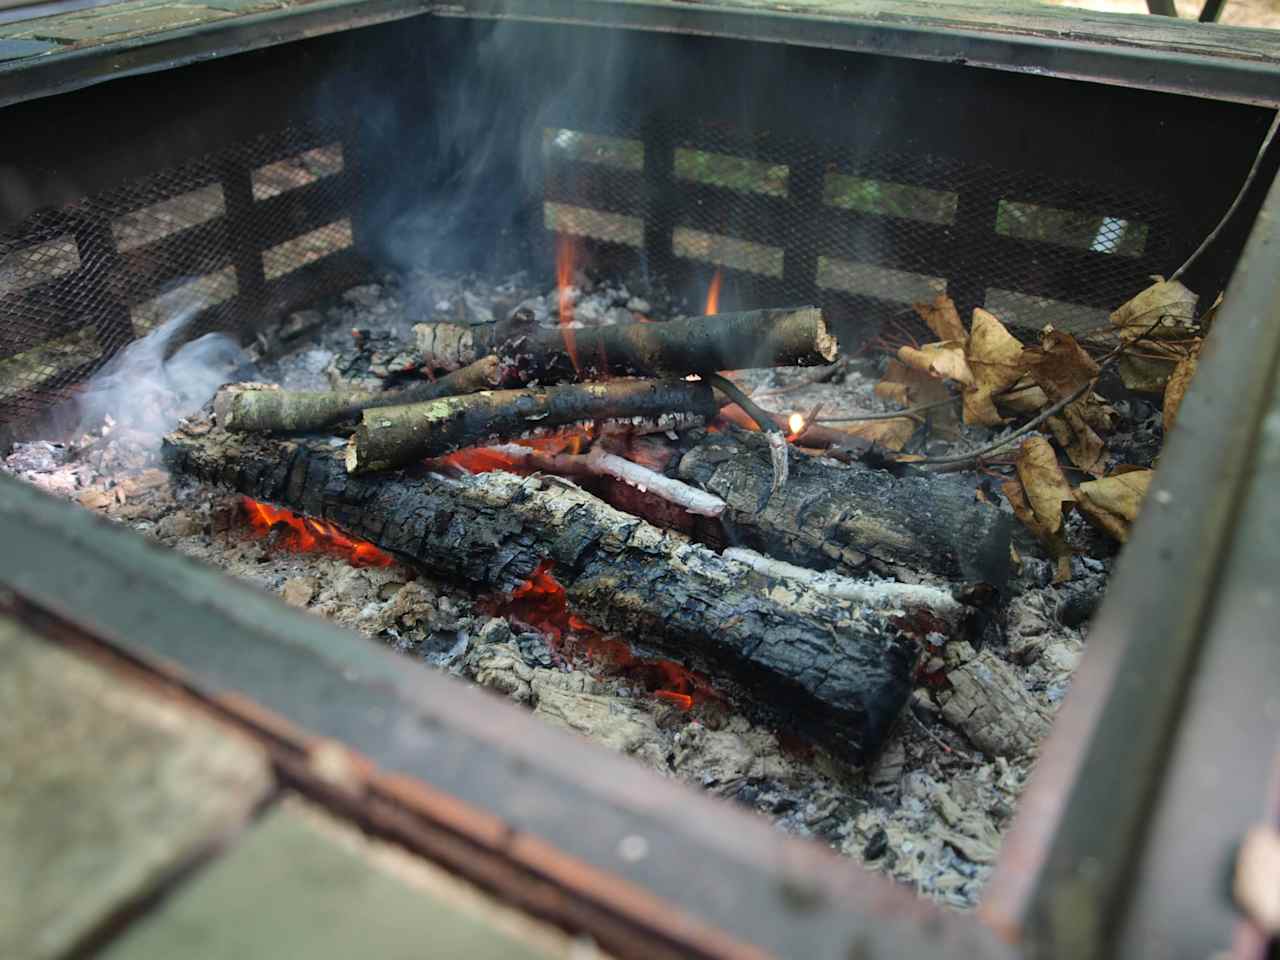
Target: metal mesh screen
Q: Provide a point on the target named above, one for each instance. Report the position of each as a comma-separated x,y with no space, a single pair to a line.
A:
229,238
864,233
241,235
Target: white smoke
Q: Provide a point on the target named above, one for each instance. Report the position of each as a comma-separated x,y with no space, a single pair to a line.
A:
146,389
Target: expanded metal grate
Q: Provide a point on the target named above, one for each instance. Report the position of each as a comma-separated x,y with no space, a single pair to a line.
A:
864,233
231,237
256,229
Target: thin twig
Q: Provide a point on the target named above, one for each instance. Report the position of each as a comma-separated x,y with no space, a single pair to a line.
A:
908,412
776,436
1244,188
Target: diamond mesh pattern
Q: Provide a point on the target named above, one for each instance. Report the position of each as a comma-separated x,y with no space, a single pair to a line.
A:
863,232
231,237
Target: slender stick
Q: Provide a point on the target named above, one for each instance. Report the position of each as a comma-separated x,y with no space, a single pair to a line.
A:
390,437
1235,204
774,433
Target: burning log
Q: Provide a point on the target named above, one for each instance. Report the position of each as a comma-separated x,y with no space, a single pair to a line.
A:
448,346
827,669
849,517
390,437
795,336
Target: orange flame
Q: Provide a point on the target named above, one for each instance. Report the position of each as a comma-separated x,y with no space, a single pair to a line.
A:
307,535
564,279
542,603
713,295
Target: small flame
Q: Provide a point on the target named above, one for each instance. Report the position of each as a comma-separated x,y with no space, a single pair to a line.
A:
713,295
795,423
564,280
542,603
307,535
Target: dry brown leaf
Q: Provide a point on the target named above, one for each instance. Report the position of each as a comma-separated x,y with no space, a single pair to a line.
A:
1166,301
1112,503
909,387
995,360
1059,365
1075,432
1053,541
944,361
1024,397
1179,380
942,318
1046,486
890,434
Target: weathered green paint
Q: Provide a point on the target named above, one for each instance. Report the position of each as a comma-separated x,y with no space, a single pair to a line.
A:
300,885
105,790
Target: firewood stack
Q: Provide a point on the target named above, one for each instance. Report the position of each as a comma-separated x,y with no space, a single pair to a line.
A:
694,539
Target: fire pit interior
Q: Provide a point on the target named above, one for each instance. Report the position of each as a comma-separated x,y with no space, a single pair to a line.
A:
765,314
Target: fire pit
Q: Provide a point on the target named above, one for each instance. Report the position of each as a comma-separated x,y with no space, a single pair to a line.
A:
729,426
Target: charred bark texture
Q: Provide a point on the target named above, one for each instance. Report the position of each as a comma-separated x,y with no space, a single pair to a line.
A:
729,341
821,667
391,437
848,516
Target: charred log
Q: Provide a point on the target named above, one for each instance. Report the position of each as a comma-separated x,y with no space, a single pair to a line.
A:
849,517
390,437
822,667
727,341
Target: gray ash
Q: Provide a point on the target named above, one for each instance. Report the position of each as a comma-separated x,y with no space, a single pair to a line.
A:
930,811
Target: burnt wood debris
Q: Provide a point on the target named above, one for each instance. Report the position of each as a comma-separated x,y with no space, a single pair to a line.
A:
677,531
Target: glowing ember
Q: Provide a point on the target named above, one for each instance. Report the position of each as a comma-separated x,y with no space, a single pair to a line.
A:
713,295
795,423
564,280
308,535
541,603
486,459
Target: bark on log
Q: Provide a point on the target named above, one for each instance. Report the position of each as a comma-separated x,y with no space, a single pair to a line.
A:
794,336
390,437
289,411
448,346
826,669
849,517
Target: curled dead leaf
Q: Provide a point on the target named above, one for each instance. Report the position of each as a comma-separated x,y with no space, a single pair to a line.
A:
941,317
1075,431
944,361
1112,503
1060,366
995,359
1179,380
1053,541
1025,396
1166,309
1045,484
